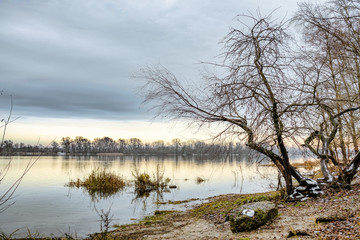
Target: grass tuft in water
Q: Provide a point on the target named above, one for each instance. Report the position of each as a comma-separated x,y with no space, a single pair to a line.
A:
144,183
100,183
200,180
10,236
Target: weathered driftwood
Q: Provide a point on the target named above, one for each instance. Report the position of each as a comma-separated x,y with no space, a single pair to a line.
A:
330,219
296,233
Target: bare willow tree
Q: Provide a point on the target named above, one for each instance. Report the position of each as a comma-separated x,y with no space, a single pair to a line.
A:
257,98
331,31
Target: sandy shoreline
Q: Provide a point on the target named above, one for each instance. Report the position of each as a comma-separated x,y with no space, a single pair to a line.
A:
297,217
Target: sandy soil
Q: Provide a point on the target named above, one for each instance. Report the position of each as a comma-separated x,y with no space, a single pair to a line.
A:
297,217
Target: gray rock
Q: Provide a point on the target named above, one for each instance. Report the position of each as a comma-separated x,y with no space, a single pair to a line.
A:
251,216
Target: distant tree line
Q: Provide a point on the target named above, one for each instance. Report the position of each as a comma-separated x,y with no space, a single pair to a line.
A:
83,146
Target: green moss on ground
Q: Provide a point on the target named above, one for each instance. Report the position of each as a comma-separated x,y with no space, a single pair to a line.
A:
157,217
258,220
177,202
222,205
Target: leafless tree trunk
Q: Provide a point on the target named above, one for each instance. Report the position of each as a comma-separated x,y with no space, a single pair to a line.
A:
332,32
257,98
271,97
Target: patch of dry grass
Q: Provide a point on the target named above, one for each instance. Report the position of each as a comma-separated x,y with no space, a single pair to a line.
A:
145,183
100,182
307,164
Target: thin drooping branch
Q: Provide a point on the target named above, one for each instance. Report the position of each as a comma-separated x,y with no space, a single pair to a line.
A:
8,194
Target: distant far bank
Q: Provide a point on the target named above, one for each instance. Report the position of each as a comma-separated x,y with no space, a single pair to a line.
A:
106,146
42,154
58,154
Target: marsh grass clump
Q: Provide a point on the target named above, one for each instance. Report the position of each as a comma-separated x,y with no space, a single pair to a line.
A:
100,183
9,236
144,183
29,236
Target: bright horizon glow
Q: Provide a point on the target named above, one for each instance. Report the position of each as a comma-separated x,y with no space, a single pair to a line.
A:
44,130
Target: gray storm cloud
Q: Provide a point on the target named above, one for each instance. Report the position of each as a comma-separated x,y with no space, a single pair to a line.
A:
75,58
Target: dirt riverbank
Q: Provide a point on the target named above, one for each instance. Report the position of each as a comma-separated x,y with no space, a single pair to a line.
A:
335,215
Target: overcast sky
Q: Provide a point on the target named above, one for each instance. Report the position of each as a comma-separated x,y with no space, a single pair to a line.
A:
71,61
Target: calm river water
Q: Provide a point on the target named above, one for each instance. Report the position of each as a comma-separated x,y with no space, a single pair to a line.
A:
43,204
